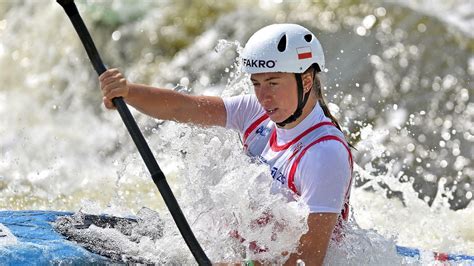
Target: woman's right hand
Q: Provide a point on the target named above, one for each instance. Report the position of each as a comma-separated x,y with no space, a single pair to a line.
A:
113,84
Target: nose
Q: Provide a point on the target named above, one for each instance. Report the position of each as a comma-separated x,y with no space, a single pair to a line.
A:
264,93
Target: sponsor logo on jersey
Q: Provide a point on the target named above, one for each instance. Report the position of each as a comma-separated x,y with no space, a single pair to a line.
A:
278,176
295,149
263,131
259,159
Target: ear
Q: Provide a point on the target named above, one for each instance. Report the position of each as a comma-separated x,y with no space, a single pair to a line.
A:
307,81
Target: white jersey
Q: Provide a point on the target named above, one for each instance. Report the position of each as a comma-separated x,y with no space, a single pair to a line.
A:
312,159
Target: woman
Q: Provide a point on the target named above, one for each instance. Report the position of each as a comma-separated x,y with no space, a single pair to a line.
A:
286,124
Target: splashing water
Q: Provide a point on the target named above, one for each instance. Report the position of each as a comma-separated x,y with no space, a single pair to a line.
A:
400,81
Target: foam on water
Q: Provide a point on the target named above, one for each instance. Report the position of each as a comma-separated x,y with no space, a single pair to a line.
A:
6,237
217,194
60,150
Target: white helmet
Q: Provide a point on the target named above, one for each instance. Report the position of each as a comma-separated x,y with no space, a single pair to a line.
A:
287,48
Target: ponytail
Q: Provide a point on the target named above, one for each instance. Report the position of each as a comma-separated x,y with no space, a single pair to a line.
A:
323,104
319,94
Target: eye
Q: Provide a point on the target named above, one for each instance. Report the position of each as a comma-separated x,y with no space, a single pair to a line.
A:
273,84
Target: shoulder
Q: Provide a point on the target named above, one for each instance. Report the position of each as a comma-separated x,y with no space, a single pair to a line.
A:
323,176
324,159
245,105
241,111
325,149
246,100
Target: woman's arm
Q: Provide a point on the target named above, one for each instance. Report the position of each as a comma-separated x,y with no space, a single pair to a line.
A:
163,103
323,182
314,244
171,105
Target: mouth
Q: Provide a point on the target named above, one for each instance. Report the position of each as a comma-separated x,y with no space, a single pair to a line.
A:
271,111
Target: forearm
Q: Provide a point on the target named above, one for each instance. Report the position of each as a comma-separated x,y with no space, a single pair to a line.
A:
314,244
309,252
156,102
171,105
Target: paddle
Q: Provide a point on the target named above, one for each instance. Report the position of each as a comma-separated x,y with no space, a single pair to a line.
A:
155,171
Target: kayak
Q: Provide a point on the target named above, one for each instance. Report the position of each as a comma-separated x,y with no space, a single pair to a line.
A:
38,237
28,237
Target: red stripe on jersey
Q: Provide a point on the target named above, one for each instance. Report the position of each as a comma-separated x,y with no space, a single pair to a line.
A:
254,125
273,138
294,166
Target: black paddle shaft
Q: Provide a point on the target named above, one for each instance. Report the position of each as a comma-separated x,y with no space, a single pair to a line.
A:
155,171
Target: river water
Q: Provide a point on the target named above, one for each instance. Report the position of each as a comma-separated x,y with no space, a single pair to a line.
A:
399,77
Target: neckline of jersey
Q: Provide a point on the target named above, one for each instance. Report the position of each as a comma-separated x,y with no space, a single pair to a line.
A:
281,138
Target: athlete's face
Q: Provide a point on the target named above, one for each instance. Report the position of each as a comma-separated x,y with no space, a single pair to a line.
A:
277,94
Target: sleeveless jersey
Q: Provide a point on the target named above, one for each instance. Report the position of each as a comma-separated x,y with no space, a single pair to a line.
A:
311,161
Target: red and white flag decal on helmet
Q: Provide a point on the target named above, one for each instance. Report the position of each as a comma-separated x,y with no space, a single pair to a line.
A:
304,52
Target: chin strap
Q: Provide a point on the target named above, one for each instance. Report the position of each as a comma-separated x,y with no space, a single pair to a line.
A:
302,99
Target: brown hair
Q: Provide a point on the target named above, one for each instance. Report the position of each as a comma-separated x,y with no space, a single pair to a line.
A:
317,87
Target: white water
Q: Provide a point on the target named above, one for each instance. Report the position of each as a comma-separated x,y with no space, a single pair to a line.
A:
61,150
6,237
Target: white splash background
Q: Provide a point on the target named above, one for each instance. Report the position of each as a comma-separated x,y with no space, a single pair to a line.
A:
404,96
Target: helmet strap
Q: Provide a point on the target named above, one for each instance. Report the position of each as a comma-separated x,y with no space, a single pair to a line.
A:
302,99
